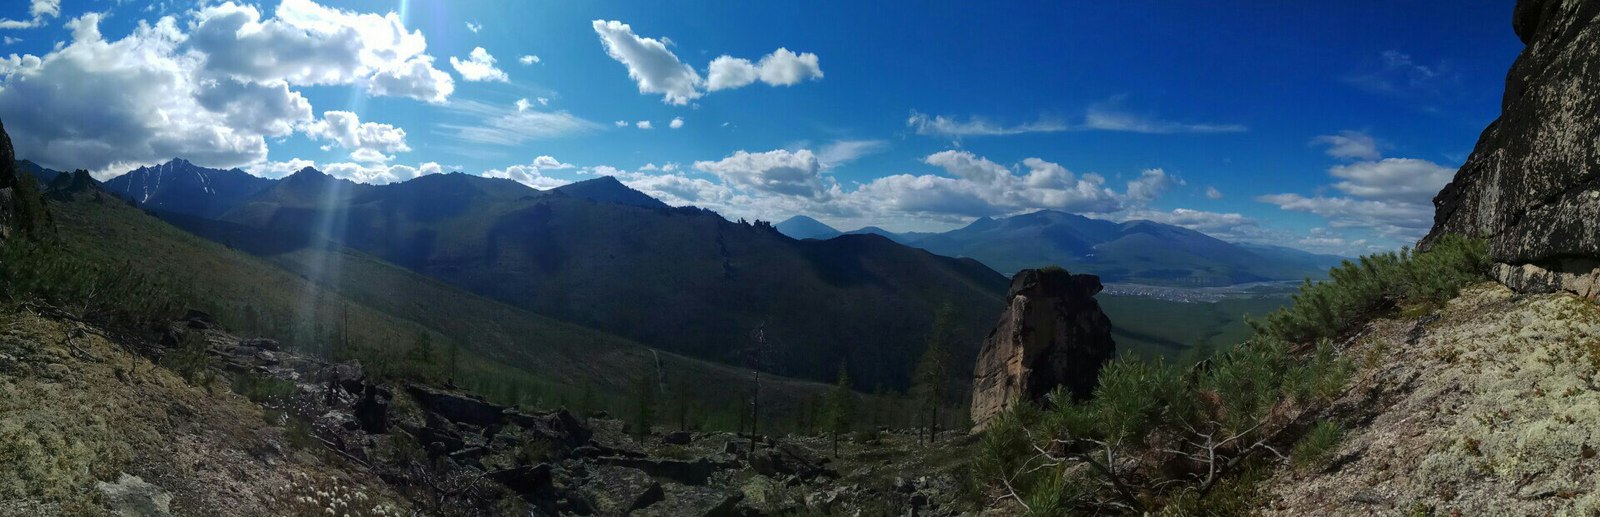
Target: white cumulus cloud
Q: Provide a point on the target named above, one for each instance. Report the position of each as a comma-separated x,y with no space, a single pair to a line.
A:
650,62
1391,196
780,171
780,68
305,43
38,11
479,66
532,174
367,141
659,71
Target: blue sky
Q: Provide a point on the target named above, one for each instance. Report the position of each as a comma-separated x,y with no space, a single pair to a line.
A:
1325,126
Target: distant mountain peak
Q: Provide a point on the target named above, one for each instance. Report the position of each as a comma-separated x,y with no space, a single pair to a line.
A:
804,227
608,189
307,172
180,186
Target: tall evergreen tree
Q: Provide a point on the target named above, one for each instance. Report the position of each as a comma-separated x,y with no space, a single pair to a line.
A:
680,407
932,377
422,348
644,411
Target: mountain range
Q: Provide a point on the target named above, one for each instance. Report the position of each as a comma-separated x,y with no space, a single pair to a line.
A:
1137,251
604,256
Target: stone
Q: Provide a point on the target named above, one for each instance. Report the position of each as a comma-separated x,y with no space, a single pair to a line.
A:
261,344
785,459
131,496
696,472
457,408
525,479
677,438
1531,186
621,490
372,411
558,427
822,502
684,500
1052,334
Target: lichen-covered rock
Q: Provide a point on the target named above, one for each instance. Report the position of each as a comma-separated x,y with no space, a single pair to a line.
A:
133,497
621,490
1053,334
1532,184
1490,410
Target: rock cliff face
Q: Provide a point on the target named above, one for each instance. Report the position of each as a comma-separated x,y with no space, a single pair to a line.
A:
1052,334
8,179
1532,184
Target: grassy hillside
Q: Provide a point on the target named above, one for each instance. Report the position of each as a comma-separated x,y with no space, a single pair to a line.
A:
321,297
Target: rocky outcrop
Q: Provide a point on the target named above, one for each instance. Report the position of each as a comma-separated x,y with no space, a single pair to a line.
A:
1051,335
6,206
8,180
1532,184
8,160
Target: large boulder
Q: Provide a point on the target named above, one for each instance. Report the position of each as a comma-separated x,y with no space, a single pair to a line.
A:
621,490
461,408
1532,185
1052,334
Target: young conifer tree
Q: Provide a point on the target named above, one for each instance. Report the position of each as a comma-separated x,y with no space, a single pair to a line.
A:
841,407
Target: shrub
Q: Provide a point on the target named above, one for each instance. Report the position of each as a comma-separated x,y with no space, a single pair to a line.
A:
535,450
1374,283
106,294
192,360
262,389
1154,432
1317,446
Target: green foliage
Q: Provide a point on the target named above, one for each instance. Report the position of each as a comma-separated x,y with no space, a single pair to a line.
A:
32,218
1378,282
264,390
106,294
1318,445
1188,436
422,349
192,360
